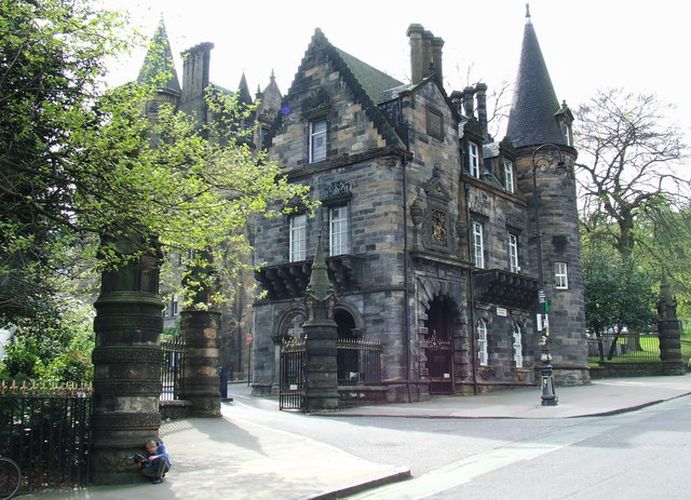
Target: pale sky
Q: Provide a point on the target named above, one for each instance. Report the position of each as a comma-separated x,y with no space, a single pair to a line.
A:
587,44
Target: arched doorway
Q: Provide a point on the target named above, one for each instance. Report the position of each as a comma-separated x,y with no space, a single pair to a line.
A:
288,329
439,350
345,324
290,348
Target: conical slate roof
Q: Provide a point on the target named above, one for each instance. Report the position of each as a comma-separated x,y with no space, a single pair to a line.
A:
159,60
531,119
244,96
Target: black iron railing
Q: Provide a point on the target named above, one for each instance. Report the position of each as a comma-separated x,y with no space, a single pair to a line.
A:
624,347
171,370
292,376
359,362
47,431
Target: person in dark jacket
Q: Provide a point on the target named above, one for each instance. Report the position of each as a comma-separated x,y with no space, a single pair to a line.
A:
157,461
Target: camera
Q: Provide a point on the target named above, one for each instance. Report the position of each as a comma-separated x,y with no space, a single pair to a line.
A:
137,458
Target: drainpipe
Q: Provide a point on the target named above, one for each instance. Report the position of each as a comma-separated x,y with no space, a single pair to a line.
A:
471,295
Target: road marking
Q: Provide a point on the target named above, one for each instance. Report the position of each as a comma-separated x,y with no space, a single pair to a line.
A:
462,471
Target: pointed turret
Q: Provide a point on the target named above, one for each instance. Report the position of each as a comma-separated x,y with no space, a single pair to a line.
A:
540,130
270,99
532,119
319,287
244,95
159,60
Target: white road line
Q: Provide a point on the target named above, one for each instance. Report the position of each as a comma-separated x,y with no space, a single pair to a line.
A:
460,472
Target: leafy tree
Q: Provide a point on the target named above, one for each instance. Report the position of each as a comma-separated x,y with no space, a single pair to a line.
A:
617,294
634,192
53,346
630,163
85,170
89,182
664,247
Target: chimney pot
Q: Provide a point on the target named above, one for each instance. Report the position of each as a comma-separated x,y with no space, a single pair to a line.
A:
468,110
481,96
417,53
437,44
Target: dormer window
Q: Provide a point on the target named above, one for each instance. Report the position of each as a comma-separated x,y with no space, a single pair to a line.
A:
565,119
508,176
473,160
566,131
317,140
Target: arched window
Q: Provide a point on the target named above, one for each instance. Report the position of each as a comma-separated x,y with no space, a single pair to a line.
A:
517,346
345,324
482,353
291,327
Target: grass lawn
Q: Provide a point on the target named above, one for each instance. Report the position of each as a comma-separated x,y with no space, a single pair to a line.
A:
650,351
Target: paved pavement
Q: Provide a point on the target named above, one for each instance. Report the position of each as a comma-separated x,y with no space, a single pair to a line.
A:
235,458
601,397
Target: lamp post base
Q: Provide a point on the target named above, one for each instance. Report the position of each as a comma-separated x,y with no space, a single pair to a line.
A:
549,398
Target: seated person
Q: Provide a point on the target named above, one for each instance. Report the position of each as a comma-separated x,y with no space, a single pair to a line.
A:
157,461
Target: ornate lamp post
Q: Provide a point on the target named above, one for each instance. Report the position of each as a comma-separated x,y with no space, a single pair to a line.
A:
549,398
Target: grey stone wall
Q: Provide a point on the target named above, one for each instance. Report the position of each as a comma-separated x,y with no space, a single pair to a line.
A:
501,214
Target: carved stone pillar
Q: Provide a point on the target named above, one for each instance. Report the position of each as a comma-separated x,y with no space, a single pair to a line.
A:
127,369
200,328
200,379
669,332
321,365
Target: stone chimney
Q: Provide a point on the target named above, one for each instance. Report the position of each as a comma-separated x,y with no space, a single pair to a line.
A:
417,53
457,100
468,110
437,44
481,96
425,54
427,43
195,70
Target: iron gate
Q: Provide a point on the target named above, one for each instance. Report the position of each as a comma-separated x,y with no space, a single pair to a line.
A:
292,376
439,365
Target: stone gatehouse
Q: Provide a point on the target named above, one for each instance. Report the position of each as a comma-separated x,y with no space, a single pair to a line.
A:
429,223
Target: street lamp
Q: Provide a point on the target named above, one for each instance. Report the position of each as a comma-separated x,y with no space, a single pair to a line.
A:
549,398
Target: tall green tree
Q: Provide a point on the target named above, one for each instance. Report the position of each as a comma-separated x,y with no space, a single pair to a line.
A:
616,294
82,167
635,191
630,163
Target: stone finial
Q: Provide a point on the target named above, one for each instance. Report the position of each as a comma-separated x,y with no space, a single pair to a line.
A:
666,303
527,12
319,287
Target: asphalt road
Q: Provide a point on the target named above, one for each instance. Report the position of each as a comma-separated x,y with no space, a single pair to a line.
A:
638,455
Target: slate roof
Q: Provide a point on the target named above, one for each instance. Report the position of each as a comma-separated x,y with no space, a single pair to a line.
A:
367,84
531,119
373,81
158,60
